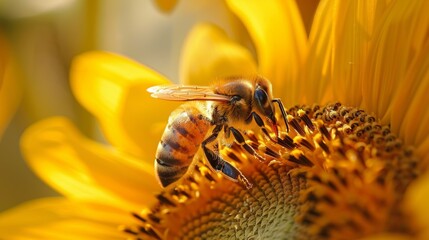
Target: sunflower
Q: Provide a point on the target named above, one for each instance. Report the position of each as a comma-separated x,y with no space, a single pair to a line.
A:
350,164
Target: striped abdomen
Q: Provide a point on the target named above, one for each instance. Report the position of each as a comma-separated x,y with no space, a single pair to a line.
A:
186,129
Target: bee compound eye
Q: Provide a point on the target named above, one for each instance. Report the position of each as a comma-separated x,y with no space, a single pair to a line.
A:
261,96
235,98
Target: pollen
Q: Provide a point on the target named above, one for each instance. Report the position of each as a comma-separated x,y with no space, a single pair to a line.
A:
333,173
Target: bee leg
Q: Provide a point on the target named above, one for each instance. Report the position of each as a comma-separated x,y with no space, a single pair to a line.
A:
226,131
261,124
240,139
282,109
213,136
225,167
218,164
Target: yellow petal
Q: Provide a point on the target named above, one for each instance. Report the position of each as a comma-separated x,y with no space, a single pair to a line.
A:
166,5
416,203
351,32
280,40
316,73
379,60
62,219
82,169
10,89
113,88
209,54
393,45
408,111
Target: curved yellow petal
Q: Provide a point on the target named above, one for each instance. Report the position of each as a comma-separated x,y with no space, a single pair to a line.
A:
416,204
62,219
209,54
10,89
113,88
351,33
82,169
408,112
316,73
280,40
396,30
375,56
166,5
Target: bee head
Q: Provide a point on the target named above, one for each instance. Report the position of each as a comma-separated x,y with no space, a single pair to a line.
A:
247,96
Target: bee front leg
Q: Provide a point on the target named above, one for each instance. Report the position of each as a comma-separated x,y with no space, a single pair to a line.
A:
240,139
261,124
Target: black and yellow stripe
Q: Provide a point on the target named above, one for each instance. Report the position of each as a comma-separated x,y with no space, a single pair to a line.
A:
186,129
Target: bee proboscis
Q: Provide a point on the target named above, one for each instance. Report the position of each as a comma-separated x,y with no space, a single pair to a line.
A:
225,105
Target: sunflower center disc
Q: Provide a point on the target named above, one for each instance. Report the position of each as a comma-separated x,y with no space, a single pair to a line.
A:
336,174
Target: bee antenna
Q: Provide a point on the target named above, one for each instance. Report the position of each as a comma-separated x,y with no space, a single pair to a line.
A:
282,109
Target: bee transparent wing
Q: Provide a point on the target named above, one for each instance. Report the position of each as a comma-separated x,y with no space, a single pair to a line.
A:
186,93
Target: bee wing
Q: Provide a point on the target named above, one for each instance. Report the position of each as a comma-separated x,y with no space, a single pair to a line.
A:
186,93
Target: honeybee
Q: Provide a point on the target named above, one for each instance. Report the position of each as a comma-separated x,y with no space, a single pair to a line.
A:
225,105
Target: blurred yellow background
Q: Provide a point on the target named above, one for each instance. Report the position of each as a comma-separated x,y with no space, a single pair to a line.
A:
38,40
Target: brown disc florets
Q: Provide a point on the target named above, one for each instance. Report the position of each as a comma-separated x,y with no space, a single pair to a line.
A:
337,174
